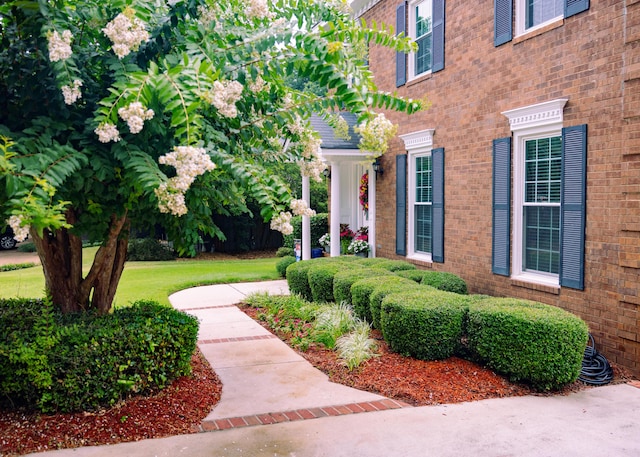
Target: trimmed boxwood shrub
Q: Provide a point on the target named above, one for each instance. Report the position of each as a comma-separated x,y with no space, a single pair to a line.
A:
367,294
426,323
283,263
298,278
149,249
321,281
285,251
440,280
343,280
396,265
94,361
528,341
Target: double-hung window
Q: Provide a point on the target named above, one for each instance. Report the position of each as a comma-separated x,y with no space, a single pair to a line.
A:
423,181
420,29
531,15
545,200
423,21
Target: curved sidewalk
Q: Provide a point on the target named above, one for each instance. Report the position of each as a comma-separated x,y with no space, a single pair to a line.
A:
275,404
264,380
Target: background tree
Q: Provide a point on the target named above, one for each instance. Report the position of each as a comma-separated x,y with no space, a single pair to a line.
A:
116,113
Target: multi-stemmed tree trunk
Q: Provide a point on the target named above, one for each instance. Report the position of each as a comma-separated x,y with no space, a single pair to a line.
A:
60,253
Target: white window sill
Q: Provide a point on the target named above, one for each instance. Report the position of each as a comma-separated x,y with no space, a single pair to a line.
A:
542,280
419,257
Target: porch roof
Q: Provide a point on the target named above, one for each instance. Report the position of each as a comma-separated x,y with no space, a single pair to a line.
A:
328,136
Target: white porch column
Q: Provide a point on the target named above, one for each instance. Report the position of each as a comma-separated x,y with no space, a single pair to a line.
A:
306,221
334,224
372,211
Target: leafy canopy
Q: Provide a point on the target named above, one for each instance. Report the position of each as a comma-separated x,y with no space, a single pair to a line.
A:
169,111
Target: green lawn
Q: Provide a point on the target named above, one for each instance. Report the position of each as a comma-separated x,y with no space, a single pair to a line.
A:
150,280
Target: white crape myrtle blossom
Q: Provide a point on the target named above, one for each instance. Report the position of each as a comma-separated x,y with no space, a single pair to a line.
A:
310,146
375,134
189,162
107,132
135,114
20,231
170,201
300,208
296,126
126,32
258,85
312,169
259,9
224,96
72,92
282,223
60,45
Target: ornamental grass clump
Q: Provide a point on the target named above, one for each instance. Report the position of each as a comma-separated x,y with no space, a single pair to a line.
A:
356,346
332,321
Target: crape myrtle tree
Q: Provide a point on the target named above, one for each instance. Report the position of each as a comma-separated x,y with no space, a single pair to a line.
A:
126,113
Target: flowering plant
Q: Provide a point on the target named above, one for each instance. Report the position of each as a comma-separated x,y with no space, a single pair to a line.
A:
364,192
325,240
358,246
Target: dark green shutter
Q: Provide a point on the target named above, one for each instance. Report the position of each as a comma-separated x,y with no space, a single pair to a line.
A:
437,205
503,21
573,206
437,34
401,204
572,7
501,234
401,57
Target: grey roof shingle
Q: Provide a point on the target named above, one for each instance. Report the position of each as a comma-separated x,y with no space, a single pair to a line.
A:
329,140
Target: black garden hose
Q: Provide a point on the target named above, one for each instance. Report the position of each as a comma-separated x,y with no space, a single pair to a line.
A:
595,367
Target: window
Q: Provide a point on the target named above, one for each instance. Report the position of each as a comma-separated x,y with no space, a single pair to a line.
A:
549,198
541,205
422,231
530,15
540,11
425,206
420,28
422,20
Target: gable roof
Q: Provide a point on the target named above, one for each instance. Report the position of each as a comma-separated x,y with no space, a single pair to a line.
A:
327,133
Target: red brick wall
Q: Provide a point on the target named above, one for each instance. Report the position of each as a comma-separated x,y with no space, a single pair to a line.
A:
593,59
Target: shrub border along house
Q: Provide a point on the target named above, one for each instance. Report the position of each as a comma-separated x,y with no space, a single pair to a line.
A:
530,342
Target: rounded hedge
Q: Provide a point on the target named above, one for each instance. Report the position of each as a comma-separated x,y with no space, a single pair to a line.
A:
440,280
344,279
426,324
321,281
367,294
528,341
85,362
283,263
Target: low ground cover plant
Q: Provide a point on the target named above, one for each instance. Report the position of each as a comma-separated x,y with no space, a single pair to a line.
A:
429,316
17,266
63,363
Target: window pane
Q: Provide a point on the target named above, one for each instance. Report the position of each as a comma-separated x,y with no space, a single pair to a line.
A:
539,11
423,228
423,24
423,179
542,239
543,161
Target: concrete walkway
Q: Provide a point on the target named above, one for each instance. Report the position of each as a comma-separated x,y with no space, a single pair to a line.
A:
275,404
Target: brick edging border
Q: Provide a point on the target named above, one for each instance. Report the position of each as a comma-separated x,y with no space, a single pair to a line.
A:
298,415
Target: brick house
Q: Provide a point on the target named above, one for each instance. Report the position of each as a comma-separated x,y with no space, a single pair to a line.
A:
523,176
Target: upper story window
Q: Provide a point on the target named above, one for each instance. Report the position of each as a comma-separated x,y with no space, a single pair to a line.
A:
530,15
534,13
420,29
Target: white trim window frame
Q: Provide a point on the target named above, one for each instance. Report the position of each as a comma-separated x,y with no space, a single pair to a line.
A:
535,14
530,124
420,62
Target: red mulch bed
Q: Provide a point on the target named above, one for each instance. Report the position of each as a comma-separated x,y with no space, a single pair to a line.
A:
181,407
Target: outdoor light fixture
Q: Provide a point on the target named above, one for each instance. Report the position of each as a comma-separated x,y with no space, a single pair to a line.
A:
327,173
377,167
